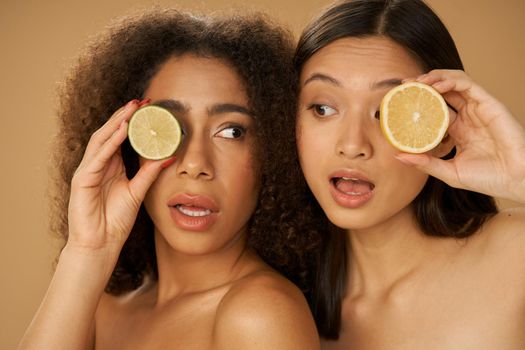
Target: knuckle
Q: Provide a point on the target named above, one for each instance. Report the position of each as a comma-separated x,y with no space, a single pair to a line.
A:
135,198
77,178
94,136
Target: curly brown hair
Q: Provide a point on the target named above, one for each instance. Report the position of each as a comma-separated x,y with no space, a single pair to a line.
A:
118,66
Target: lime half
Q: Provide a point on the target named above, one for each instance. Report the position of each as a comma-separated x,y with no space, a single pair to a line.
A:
154,133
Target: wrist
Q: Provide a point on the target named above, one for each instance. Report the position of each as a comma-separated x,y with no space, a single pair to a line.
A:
107,250
520,193
516,186
97,264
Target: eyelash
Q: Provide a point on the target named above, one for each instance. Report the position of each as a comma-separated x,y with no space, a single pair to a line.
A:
315,108
240,128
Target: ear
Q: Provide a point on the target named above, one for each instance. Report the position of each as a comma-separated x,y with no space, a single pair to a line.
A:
444,148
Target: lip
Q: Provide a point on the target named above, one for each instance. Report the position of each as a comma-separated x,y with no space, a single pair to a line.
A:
200,203
350,200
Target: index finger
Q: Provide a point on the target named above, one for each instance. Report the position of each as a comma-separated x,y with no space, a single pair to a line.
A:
445,81
100,137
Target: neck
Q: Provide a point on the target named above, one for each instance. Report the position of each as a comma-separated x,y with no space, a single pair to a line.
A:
384,255
183,273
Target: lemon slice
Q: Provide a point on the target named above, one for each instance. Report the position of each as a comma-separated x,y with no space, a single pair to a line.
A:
414,117
154,133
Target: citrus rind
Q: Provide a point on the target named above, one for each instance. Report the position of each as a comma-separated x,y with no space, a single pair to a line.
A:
414,117
154,132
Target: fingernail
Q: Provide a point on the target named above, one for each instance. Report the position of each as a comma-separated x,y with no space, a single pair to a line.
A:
438,84
168,162
413,159
405,159
402,159
144,102
132,102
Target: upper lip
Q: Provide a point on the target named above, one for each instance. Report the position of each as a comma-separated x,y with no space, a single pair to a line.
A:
351,175
194,200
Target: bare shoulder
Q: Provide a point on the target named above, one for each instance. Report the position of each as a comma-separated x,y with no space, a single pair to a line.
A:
502,239
506,228
117,316
264,311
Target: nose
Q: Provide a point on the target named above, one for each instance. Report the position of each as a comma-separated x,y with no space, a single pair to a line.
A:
353,139
195,158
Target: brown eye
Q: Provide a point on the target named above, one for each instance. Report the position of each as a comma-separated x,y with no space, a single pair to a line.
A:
232,132
377,115
323,110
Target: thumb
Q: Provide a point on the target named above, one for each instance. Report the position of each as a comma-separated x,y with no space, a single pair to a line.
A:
436,167
146,175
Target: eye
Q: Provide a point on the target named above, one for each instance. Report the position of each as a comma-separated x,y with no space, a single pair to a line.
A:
231,132
322,110
377,115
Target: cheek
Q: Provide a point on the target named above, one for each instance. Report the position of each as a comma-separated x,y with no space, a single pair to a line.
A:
311,147
150,200
405,182
243,179
402,183
243,194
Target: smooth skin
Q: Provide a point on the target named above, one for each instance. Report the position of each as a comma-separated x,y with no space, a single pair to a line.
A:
407,290
212,291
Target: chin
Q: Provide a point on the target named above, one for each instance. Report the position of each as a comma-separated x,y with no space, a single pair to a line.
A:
188,243
349,222
194,250
351,219
197,249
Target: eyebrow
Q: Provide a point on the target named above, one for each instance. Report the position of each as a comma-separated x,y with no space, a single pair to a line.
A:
388,83
218,108
172,105
322,77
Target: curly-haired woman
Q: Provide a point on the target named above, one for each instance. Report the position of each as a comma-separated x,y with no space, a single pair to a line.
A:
185,243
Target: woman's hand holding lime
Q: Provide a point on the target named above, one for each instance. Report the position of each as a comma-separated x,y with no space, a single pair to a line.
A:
104,203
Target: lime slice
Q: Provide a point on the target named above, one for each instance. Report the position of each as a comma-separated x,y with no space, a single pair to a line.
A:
154,133
414,117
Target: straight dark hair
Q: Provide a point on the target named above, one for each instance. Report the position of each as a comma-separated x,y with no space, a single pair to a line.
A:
440,210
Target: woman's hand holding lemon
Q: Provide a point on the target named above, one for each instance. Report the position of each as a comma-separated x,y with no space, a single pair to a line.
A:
490,142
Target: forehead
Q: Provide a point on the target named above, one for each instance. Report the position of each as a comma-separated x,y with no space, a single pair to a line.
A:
189,75
369,58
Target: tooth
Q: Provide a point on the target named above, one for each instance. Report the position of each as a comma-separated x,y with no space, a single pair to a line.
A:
349,179
193,213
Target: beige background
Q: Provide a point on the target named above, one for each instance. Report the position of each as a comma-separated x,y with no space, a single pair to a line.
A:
39,41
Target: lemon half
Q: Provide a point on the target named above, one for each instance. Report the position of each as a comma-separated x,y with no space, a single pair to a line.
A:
414,117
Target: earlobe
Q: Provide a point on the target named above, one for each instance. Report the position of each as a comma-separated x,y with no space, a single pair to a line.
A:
445,147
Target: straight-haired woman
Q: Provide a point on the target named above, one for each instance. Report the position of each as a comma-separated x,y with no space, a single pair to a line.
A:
417,255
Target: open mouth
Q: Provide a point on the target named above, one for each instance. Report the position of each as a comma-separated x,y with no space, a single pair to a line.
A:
192,210
352,186
351,189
